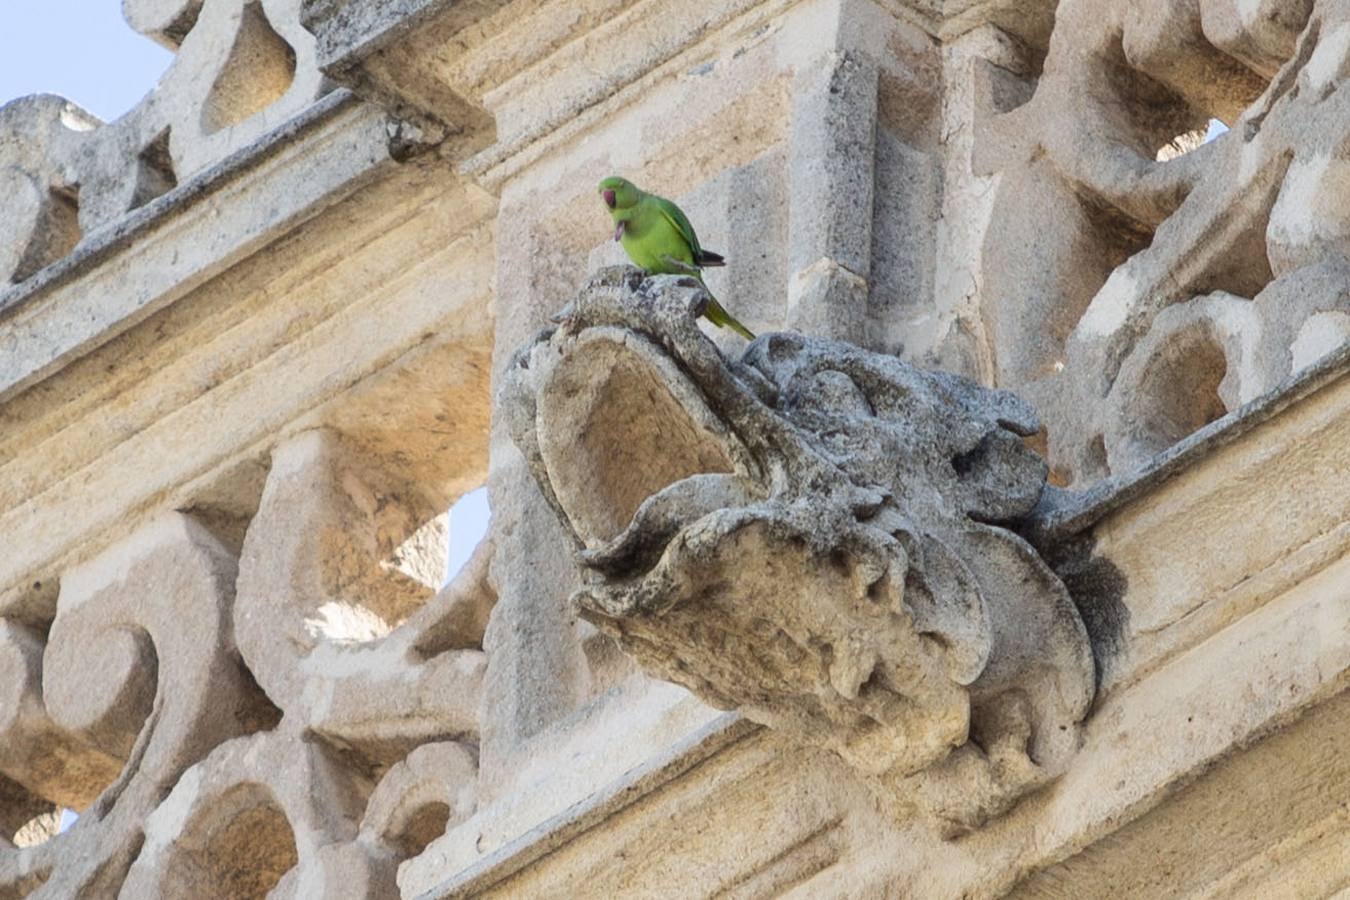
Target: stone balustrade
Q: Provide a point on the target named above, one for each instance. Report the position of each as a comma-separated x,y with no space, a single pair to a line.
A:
241,68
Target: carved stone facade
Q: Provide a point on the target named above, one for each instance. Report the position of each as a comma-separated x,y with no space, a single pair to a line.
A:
1011,559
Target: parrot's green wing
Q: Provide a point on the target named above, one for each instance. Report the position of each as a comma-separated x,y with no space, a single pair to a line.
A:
699,257
676,217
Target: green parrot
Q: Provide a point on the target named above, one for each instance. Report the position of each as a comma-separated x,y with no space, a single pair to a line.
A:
657,236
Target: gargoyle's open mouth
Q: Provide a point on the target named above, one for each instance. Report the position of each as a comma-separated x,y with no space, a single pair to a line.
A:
808,534
627,439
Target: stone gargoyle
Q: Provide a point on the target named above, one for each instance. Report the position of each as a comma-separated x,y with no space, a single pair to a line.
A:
810,535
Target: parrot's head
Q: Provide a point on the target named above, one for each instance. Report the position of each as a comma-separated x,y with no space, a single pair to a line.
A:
618,193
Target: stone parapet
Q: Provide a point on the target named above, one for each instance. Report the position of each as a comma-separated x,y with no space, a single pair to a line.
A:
241,69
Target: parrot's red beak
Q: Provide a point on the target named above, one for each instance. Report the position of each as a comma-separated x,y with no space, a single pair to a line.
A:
609,198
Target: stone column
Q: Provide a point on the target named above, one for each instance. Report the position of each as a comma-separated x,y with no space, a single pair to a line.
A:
830,177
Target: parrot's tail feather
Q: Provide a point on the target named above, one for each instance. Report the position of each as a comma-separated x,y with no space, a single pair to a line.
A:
741,330
709,259
723,319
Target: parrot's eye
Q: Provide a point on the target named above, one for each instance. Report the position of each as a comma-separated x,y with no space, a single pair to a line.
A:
609,198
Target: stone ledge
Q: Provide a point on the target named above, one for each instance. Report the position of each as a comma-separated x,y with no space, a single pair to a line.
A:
1063,514
674,763
34,342
1254,842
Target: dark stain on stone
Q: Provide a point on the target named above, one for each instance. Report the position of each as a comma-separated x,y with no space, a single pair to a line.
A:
1098,588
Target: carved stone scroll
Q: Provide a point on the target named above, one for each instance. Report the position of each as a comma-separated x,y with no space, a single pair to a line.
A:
130,698
1169,287
331,633
298,721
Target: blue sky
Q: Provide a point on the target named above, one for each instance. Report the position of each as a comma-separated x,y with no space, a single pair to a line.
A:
80,49
468,524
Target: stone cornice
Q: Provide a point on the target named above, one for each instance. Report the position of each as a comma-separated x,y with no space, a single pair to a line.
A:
322,155
558,831
1063,515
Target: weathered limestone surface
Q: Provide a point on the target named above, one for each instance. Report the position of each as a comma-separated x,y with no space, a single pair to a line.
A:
1178,287
802,618
807,535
